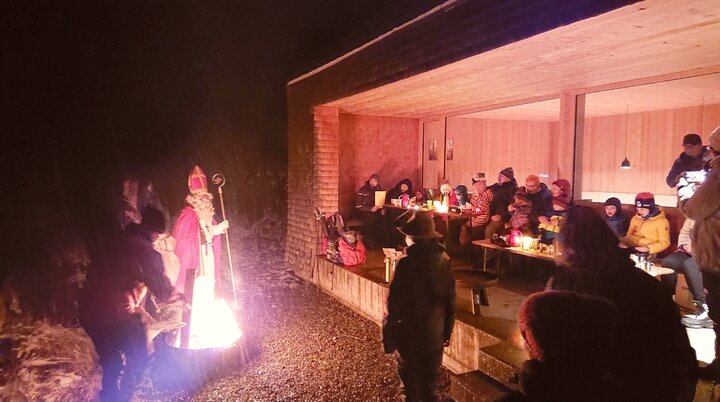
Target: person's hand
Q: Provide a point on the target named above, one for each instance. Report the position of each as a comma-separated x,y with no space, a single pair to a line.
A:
495,218
642,249
622,245
446,343
511,207
687,248
685,192
544,219
221,227
374,208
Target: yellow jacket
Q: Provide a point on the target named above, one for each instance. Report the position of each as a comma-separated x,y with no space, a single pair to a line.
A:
653,233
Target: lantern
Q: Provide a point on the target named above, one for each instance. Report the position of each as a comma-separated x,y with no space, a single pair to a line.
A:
515,238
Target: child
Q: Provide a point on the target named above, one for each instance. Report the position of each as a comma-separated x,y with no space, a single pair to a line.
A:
520,209
615,218
549,230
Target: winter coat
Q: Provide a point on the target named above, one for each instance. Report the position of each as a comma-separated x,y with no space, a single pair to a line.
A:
618,223
421,302
652,232
502,197
704,208
686,163
541,204
396,193
654,358
520,218
541,382
365,198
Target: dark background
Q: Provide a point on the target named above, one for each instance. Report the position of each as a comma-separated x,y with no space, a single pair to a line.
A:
93,91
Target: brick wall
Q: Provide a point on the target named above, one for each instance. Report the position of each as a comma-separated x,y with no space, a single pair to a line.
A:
462,29
369,144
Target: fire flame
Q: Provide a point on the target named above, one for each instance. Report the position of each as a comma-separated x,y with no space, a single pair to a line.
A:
212,324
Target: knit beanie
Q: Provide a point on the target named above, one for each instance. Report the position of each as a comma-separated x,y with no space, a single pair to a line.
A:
614,202
714,139
645,200
508,172
565,186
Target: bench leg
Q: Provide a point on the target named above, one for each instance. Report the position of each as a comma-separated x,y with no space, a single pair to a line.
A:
478,297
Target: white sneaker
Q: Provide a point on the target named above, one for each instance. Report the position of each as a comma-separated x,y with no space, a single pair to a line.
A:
701,312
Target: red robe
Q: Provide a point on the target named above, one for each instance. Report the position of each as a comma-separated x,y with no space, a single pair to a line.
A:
187,234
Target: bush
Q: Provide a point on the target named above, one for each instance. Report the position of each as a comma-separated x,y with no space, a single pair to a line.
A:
50,363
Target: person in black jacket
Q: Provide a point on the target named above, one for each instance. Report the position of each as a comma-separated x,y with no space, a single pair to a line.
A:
404,187
615,217
692,158
372,216
503,193
655,361
420,309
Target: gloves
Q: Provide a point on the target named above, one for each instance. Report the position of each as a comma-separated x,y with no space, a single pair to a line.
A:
220,228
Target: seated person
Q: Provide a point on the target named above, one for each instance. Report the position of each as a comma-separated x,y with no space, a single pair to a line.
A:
461,193
404,187
373,230
448,194
503,193
559,188
570,340
520,209
419,197
649,230
480,201
549,231
615,218
682,261
541,198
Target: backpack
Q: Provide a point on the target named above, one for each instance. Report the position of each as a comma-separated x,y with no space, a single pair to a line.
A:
340,245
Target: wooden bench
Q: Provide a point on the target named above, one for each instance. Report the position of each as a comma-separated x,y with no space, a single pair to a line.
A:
673,214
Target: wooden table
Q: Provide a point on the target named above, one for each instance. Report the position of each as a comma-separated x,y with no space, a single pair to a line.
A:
488,245
447,215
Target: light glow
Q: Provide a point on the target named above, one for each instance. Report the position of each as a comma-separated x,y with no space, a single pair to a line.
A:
212,324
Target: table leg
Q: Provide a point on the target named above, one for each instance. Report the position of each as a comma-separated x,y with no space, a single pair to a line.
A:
485,258
472,300
497,265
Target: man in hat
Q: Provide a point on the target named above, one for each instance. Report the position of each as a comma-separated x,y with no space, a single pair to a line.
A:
503,194
197,233
541,199
649,230
692,158
702,205
420,309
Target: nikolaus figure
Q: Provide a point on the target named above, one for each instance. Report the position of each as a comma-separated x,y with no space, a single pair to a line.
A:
197,233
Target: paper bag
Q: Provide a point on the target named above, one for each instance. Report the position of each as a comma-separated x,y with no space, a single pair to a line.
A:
380,198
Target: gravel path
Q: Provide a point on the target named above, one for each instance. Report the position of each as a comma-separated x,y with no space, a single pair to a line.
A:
308,346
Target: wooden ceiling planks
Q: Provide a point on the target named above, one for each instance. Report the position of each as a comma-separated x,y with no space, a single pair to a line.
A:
647,39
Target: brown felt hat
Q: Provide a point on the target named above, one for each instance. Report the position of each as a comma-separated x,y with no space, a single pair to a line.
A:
421,226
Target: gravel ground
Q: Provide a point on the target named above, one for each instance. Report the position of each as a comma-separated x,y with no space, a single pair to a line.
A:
306,346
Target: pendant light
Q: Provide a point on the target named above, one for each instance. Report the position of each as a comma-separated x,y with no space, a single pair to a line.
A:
626,163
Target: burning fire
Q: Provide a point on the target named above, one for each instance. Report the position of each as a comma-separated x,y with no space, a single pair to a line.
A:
212,324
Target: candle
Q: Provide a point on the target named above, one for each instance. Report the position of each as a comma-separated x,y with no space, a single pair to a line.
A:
526,242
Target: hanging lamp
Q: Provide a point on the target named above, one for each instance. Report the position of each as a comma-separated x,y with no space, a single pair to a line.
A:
625,164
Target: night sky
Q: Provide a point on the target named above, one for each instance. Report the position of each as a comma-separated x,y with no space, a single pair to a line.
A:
92,91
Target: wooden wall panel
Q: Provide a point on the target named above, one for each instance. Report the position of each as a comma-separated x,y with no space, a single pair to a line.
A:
653,142
483,145
370,144
433,170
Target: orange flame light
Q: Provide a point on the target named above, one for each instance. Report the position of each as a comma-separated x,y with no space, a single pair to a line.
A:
212,324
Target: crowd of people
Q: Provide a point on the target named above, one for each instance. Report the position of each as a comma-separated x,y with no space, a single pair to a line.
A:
139,270
602,329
